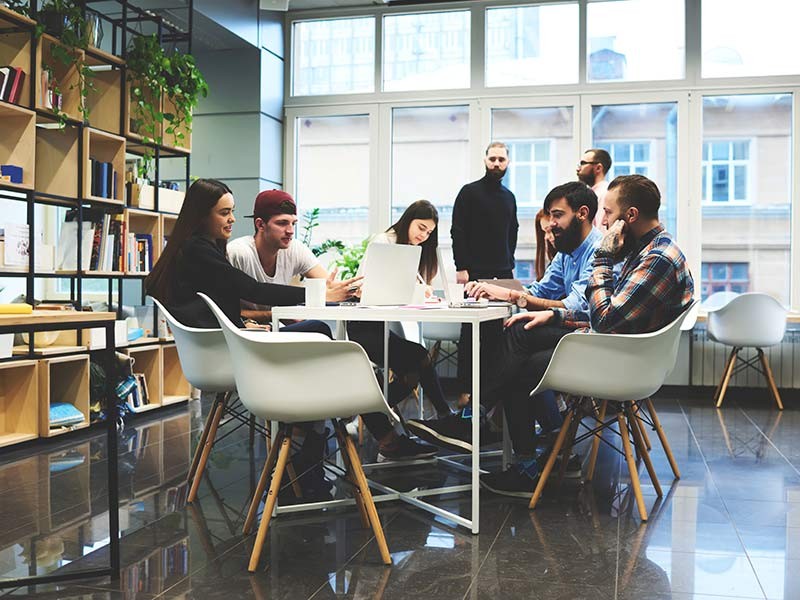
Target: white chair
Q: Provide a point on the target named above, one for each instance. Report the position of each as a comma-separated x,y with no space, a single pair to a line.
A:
205,362
296,377
622,369
751,320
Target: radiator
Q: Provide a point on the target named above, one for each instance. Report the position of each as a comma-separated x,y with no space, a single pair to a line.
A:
708,361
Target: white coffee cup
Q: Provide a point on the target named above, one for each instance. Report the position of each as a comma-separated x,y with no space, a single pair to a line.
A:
457,289
315,292
419,293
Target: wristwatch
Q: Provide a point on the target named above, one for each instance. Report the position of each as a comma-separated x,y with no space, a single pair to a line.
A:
522,300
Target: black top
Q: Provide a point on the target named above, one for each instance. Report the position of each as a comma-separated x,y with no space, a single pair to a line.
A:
203,267
485,225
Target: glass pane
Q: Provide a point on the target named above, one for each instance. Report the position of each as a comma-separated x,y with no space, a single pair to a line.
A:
741,150
743,39
532,45
720,151
738,271
333,57
635,40
339,188
522,152
718,272
624,127
521,183
426,51
555,155
719,186
420,133
755,237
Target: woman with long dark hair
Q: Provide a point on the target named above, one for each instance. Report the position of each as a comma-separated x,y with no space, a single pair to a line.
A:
545,248
409,360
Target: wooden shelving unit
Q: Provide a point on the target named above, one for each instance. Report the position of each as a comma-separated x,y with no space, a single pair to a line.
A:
109,148
144,222
67,77
173,141
15,47
148,361
19,402
18,141
63,379
57,161
175,387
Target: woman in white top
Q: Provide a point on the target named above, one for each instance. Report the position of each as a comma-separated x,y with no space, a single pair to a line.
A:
409,360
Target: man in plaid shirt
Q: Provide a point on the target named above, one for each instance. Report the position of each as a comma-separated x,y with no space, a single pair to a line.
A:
652,289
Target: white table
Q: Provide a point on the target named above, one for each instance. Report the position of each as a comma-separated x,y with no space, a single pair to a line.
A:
387,314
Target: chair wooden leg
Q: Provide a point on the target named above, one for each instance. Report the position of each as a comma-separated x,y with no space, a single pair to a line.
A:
626,445
723,385
551,460
639,441
298,491
209,443
269,464
596,441
642,428
663,437
360,431
634,424
369,503
770,379
569,441
203,437
272,497
349,474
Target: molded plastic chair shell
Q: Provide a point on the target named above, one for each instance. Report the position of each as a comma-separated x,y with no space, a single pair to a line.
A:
203,354
446,332
620,367
717,300
751,320
294,377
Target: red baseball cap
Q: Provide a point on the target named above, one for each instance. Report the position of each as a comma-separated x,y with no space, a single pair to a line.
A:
273,202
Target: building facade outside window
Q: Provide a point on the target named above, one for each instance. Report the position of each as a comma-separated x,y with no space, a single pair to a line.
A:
726,164
725,277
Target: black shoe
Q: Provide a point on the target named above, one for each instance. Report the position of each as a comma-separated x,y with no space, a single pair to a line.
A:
404,448
514,482
453,432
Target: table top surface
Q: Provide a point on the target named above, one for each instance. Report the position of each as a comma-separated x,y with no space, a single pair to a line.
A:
433,313
49,317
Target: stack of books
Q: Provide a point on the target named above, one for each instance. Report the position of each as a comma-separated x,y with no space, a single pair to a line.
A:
139,396
103,242
104,179
11,79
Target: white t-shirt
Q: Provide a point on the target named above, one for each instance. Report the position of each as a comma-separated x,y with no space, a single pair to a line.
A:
600,188
295,260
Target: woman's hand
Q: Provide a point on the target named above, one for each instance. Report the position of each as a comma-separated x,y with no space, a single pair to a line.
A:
341,290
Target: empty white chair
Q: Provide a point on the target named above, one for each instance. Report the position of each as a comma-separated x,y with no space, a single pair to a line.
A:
622,369
751,320
296,377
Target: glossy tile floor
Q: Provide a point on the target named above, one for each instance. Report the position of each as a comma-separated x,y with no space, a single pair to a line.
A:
730,528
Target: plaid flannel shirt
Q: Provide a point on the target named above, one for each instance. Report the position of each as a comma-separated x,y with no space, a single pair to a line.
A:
653,288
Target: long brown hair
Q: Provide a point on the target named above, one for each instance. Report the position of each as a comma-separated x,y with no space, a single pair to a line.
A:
201,197
421,209
544,251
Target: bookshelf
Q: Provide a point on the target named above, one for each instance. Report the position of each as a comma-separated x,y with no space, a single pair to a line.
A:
147,361
57,152
103,148
63,379
19,402
17,141
148,225
175,388
66,77
15,48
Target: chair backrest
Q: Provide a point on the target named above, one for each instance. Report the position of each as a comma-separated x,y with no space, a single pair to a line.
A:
203,354
293,377
748,320
446,332
717,300
614,366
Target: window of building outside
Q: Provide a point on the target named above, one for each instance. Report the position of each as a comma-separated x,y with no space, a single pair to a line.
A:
430,160
334,56
747,155
726,164
724,277
532,45
426,51
741,39
635,40
332,173
644,138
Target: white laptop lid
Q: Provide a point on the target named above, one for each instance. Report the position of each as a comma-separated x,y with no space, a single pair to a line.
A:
390,274
443,274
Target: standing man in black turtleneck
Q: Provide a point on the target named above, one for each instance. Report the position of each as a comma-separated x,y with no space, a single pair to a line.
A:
484,233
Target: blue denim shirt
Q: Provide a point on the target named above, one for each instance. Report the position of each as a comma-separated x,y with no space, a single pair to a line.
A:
566,277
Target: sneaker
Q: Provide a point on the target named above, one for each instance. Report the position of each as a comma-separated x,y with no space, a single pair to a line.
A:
453,432
514,482
404,448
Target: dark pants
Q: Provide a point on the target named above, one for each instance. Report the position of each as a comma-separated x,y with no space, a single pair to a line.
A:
309,327
519,365
405,358
490,332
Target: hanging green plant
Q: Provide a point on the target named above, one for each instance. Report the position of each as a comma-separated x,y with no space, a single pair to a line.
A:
155,76
64,20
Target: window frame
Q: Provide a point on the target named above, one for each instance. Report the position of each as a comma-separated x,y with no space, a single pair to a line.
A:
731,163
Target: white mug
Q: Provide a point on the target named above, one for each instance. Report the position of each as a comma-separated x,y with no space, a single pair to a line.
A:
419,293
315,292
457,289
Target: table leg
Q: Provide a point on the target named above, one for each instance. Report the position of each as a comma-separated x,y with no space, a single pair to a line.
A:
476,435
113,457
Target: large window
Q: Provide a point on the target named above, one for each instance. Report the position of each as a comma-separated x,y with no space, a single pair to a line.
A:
756,168
726,164
335,56
635,40
426,51
644,139
741,38
532,45
430,159
332,158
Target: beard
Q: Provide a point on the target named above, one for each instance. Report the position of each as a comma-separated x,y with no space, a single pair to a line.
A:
570,237
495,174
589,178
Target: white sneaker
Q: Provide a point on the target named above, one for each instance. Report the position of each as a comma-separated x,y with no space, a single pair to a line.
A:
352,428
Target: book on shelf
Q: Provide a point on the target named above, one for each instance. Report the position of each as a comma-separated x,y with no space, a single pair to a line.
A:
16,249
102,242
11,86
4,72
104,179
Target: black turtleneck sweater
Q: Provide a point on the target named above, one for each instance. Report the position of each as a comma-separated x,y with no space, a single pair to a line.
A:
484,229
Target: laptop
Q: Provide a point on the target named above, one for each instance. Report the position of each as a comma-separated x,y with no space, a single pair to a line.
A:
390,274
450,295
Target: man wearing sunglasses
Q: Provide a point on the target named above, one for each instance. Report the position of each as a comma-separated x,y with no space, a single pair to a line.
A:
593,168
